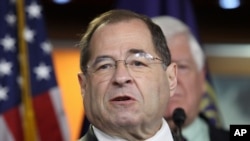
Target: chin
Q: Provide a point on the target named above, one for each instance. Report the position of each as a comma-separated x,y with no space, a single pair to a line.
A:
127,121
127,124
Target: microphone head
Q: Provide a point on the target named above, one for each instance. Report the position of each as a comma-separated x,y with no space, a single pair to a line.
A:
179,117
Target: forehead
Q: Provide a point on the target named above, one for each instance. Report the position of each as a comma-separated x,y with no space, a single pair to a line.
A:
179,47
117,38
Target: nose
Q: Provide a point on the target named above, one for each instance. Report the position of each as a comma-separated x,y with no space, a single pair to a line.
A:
121,75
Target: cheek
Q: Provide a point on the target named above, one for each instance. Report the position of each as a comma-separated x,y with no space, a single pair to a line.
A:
160,92
189,83
151,86
192,93
94,96
87,104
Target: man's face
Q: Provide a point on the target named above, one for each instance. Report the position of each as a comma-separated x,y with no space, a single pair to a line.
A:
124,98
190,80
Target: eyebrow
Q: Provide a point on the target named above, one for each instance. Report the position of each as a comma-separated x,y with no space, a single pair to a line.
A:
103,57
133,51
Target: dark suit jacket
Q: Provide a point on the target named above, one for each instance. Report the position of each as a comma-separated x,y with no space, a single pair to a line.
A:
89,136
216,134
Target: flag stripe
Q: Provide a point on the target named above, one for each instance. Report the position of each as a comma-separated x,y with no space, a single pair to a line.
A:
6,134
13,121
57,104
46,110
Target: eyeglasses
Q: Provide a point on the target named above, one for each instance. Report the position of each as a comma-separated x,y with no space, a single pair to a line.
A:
136,63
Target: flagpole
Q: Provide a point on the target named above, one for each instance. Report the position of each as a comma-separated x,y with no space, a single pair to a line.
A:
29,125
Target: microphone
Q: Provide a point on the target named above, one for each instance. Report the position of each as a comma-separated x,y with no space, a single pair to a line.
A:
179,118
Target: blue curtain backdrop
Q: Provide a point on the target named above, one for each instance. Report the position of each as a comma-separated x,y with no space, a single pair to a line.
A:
181,9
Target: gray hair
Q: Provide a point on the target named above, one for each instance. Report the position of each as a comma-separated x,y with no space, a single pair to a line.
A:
172,26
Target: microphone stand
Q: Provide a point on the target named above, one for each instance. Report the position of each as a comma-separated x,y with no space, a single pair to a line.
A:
178,135
179,118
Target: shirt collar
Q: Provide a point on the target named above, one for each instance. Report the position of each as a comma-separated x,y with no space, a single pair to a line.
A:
163,134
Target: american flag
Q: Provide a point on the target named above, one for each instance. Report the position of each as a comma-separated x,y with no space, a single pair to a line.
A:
30,100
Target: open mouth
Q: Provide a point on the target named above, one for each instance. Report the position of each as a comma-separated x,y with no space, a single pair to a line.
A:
122,98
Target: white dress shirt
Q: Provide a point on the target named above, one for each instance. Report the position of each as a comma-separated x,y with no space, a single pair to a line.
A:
164,134
197,131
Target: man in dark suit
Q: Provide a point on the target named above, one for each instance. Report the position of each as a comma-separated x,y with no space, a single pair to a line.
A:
189,57
126,78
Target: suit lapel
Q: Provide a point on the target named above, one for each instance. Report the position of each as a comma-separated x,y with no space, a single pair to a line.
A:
89,136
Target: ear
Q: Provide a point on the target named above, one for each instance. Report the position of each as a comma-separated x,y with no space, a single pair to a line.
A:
82,82
172,77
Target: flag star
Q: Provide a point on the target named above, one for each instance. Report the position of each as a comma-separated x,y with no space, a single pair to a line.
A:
8,43
34,10
42,71
29,35
3,93
46,47
10,19
5,68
